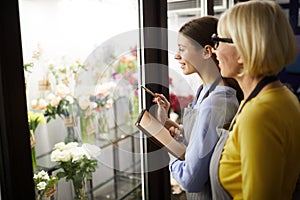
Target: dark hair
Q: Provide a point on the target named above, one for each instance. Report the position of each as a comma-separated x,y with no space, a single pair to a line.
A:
200,31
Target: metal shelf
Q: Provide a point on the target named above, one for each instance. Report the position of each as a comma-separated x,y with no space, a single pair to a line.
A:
121,184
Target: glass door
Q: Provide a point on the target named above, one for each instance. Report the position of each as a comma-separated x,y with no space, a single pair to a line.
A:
81,71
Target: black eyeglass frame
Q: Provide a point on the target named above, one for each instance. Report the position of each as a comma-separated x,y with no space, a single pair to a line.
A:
215,39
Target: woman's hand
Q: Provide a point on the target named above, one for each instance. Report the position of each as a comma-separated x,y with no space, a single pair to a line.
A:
160,99
162,108
169,123
177,133
175,130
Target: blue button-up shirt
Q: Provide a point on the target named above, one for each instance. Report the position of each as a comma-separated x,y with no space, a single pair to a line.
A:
214,111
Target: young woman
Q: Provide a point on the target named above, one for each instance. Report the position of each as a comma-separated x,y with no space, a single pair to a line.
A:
215,104
260,159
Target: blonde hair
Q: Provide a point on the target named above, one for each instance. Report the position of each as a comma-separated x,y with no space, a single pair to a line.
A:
262,35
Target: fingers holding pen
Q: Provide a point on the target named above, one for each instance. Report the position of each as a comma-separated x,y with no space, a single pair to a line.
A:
162,97
161,100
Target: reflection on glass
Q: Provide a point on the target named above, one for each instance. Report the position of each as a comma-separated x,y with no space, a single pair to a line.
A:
287,12
299,16
283,1
81,79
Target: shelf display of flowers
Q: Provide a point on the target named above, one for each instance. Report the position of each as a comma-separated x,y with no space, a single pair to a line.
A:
78,162
85,113
56,90
88,111
126,72
103,99
58,103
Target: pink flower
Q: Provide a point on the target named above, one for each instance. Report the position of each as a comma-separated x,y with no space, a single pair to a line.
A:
42,104
62,90
34,104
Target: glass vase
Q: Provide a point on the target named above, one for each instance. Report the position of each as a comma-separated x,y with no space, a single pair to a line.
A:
87,129
71,135
79,192
69,123
103,127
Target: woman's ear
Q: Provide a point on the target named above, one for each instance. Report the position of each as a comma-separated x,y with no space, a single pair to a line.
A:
207,51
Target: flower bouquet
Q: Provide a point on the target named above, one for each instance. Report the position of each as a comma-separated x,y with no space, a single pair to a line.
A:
65,109
44,184
126,73
103,98
77,164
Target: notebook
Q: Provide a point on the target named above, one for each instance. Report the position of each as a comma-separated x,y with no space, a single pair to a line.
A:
157,133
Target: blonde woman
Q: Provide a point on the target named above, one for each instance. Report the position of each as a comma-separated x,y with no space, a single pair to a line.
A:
260,159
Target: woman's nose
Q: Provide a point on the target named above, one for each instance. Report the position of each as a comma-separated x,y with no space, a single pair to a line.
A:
177,56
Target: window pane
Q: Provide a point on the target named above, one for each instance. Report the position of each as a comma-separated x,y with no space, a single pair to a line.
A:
81,70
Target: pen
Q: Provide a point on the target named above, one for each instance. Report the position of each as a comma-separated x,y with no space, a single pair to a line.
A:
150,92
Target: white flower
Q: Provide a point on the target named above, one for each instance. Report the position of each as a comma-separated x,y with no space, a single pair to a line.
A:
55,101
70,99
42,104
92,150
71,145
43,175
71,151
62,146
84,102
62,90
61,156
41,185
59,145
78,153
34,104
50,96
102,90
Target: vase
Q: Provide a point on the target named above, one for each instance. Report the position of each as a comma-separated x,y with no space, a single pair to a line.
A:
87,129
79,192
69,123
103,127
71,135
33,153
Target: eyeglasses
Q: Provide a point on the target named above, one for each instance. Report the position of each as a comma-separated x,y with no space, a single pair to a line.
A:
217,39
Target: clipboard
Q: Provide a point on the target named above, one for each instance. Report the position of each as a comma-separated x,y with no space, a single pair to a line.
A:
157,133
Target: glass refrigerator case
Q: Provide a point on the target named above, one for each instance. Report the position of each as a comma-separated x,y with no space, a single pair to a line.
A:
81,75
